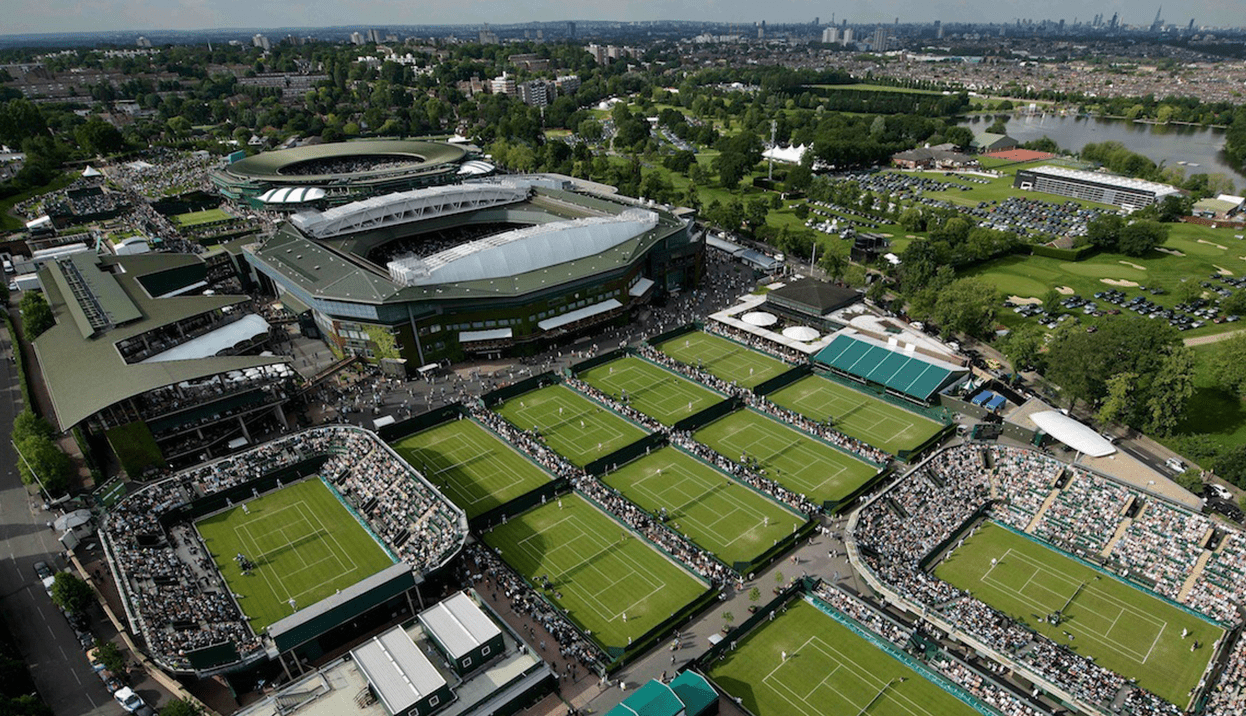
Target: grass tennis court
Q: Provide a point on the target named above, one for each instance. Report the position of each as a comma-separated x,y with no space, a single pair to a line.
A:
305,544
724,358
662,395
470,465
885,426
574,426
714,511
1121,627
195,218
789,457
609,581
828,670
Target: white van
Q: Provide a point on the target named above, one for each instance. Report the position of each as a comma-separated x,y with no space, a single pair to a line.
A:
1174,464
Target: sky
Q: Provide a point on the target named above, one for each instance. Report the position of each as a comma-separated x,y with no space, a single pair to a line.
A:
38,16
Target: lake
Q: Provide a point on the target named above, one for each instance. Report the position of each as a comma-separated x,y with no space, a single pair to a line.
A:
1161,143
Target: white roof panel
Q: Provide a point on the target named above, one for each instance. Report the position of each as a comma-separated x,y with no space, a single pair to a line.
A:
493,334
213,342
459,625
580,313
1076,435
644,284
399,674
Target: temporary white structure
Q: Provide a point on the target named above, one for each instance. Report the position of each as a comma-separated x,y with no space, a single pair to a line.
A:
759,318
801,333
1076,435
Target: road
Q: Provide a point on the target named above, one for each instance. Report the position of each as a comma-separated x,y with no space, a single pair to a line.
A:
57,662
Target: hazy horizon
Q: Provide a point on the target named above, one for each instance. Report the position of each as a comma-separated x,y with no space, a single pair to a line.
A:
63,16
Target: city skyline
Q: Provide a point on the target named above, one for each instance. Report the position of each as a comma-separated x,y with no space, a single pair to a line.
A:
62,16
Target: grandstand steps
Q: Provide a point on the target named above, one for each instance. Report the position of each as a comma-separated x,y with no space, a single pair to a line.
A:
1116,537
1042,509
1195,573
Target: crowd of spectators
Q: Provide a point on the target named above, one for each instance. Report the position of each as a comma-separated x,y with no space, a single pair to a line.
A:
697,375
174,591
621,408
161,172
787,354
900,528
864,614
492,574
1161,545
1228,696
349,165
1222,586
1025,479
1085,515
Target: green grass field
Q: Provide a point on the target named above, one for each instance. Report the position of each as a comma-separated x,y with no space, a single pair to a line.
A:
877,422
655,391
790,457
574,426
714,511
828,670
471,465
609,581
305,546
195,218
723,358
1121,627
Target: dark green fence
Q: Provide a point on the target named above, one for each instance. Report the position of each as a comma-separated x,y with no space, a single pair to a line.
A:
399,430
790,592
784,379
763,560
590,363
673,333
626,454
526,385
698,420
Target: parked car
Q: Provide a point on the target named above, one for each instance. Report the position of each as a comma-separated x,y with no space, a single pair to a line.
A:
1220,491
129,700
42,570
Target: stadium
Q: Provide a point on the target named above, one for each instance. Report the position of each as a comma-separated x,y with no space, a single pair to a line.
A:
323,175
267,553
475,269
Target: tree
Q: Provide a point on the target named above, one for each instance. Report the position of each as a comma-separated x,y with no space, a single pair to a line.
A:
1190,480
967,306
179,707
36,314
99,137
40,457
1225,365
1105,231
1140,237
107,653
1188,290
755,213
1119,403
71,593
27,425
1023,347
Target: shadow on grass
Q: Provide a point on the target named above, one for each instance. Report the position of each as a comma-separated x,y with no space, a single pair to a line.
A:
1212,411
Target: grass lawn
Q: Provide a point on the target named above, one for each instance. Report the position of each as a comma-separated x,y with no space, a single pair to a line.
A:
1210,411
713,510
471,465
828,670
305,544
724,358
574,426
653,390
876,422
788,456
610,582
1121,627
195,218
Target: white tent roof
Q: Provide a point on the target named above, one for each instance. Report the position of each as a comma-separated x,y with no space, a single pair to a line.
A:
801,333
790,155
91,172
760,318
1072,433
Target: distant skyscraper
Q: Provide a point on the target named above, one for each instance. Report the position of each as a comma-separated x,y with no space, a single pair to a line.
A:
938,30
357,38
846,38
571,30
376,35
878,42
260,41
830,35
144,42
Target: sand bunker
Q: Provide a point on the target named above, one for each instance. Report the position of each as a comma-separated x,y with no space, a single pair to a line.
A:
1172,252
1212,243
1065,290
1223,271
1021,300
1119,282
1131,264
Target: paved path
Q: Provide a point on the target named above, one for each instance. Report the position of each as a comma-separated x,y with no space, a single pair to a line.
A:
1204,340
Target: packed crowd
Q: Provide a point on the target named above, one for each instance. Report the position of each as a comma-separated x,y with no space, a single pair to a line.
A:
1222,586
1024,479
1085,515
1161,546
900,528
1228,696
697,375
986,688
493,575
164,172
621,408
784,353
179,604
864,614
349,165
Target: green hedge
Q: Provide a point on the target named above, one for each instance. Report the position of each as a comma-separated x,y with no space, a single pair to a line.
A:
1064,254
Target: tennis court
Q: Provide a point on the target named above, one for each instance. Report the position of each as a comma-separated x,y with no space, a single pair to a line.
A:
655,391
790,457
608,580
804,663
1121,627
574,426
716,512
724,358
477,470
876,422
305,546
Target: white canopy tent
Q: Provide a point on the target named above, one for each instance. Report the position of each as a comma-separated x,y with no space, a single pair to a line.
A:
801,333
1072,433
759,318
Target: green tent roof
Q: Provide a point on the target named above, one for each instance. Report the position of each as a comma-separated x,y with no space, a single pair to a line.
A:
909,373
695,691
653,699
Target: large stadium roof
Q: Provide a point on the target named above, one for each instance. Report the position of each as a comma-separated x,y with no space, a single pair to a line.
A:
904,371
270,165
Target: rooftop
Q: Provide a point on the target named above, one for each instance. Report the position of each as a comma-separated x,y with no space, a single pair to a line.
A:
458,624
270,165
1103,178
87,374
